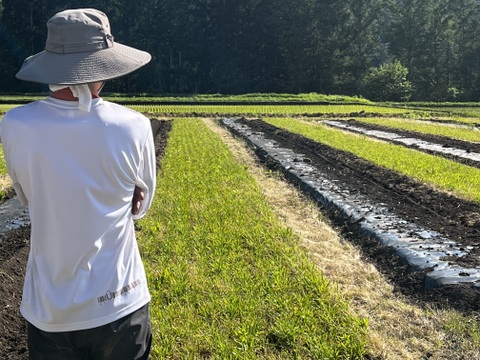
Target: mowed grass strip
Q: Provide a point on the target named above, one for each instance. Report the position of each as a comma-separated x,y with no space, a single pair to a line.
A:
439,172
227,281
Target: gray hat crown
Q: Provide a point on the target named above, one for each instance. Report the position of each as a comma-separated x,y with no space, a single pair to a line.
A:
72,31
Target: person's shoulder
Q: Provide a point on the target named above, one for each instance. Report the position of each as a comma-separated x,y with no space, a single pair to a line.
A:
21,111
123,109
123,115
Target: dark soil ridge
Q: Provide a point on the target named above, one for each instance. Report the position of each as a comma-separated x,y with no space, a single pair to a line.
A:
14,248
455,218
444,141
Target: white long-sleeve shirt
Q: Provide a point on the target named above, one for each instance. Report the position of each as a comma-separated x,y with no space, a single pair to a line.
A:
76,171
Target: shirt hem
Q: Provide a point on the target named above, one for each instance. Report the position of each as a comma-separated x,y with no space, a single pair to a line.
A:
85,324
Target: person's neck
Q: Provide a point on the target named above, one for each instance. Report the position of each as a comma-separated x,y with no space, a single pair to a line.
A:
66,94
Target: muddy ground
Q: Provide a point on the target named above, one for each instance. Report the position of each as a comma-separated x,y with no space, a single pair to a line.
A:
456,218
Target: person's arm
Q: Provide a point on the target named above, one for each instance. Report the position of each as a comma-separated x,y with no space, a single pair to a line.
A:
4,137
138,197
145,187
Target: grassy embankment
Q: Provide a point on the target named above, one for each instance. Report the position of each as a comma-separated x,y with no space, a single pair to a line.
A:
227,280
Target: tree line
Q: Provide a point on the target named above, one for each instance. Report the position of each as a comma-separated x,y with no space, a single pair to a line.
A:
381,49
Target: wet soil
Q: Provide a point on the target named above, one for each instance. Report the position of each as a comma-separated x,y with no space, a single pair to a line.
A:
14,248
456,218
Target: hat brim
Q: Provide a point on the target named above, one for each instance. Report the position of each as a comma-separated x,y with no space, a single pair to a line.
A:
81,68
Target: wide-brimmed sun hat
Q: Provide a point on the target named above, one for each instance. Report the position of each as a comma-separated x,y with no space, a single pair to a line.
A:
80,49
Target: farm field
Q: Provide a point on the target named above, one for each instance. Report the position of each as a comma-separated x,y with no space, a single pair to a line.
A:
379,304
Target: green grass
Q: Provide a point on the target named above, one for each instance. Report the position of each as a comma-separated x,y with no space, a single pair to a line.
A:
440,172
466,331
3,165
227,281
5,107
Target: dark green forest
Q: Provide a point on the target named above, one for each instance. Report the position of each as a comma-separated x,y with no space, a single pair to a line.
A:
380,49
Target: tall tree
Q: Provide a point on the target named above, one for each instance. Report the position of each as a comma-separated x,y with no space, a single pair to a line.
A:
356,37
23,33
465,46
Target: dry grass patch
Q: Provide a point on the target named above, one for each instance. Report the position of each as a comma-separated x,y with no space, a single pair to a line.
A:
397,329
5,182
6,190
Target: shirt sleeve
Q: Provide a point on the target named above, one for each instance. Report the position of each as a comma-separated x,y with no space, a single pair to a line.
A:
5,139
146,179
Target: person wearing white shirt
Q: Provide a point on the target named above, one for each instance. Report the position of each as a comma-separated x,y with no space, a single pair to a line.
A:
85,168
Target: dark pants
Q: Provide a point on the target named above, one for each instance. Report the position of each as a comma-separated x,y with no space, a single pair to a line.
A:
128,338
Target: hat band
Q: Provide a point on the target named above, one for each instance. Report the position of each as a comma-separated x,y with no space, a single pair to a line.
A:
79,48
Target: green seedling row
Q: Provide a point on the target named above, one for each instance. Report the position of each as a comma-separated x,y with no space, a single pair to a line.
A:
223,110
257,110
256,97
227,281
439,172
